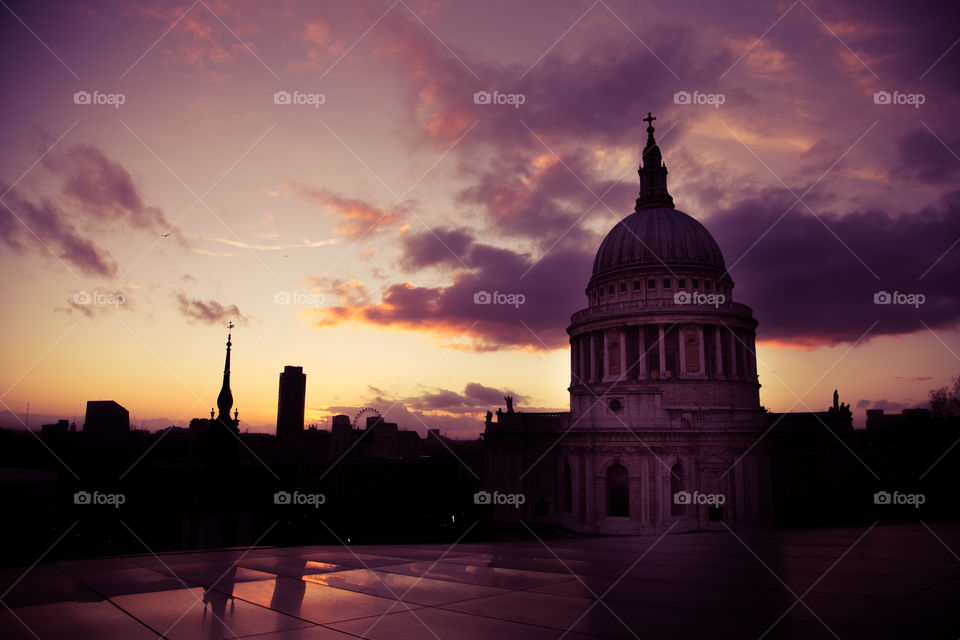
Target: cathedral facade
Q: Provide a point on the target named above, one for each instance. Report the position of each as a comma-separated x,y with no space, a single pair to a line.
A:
665,425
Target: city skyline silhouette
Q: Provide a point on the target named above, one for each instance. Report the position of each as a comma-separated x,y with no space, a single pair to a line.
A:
415,319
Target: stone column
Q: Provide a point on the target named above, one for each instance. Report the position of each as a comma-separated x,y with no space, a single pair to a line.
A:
644,493
594,377
589,487
656,516
574,364
642,353
703,358
734,343
574,487
682,342
585,357
693,484
719,344
623,353
741,498
606,356
663,358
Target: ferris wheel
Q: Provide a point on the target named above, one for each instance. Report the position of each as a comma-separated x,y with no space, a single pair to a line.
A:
362,415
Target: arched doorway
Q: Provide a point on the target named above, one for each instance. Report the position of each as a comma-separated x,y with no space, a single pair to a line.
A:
618,492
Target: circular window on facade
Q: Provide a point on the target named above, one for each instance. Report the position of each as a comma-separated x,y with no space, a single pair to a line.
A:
616,405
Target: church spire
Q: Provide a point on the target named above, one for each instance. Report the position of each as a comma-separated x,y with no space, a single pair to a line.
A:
225,399
653,174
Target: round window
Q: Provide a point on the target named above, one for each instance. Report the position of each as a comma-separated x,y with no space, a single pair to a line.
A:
616,405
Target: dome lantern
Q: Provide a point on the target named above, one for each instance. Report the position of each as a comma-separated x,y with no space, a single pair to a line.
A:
653,174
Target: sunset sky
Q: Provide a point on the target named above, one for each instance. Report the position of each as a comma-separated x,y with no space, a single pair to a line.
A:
349,233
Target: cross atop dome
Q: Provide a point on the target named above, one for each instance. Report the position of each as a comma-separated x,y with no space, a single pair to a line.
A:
653,173
650,141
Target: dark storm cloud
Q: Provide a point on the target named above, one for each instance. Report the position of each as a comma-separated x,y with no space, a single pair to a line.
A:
799,87
923,158
497,298
806,287
434,248
909,39
547,203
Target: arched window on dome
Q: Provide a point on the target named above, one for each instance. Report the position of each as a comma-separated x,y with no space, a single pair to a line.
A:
678,482
618,491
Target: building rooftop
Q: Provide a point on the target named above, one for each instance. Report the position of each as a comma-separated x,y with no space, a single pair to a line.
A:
868,582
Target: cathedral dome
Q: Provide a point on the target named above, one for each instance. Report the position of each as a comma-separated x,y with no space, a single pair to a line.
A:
654,237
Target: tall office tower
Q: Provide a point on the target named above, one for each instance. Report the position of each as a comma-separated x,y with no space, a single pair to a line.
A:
290,404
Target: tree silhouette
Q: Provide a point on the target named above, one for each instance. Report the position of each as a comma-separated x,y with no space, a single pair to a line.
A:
945,401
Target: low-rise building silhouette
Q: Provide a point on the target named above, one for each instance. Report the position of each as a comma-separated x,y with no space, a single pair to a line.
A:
106,417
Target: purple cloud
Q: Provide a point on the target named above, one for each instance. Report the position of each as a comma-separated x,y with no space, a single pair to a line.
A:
208,311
